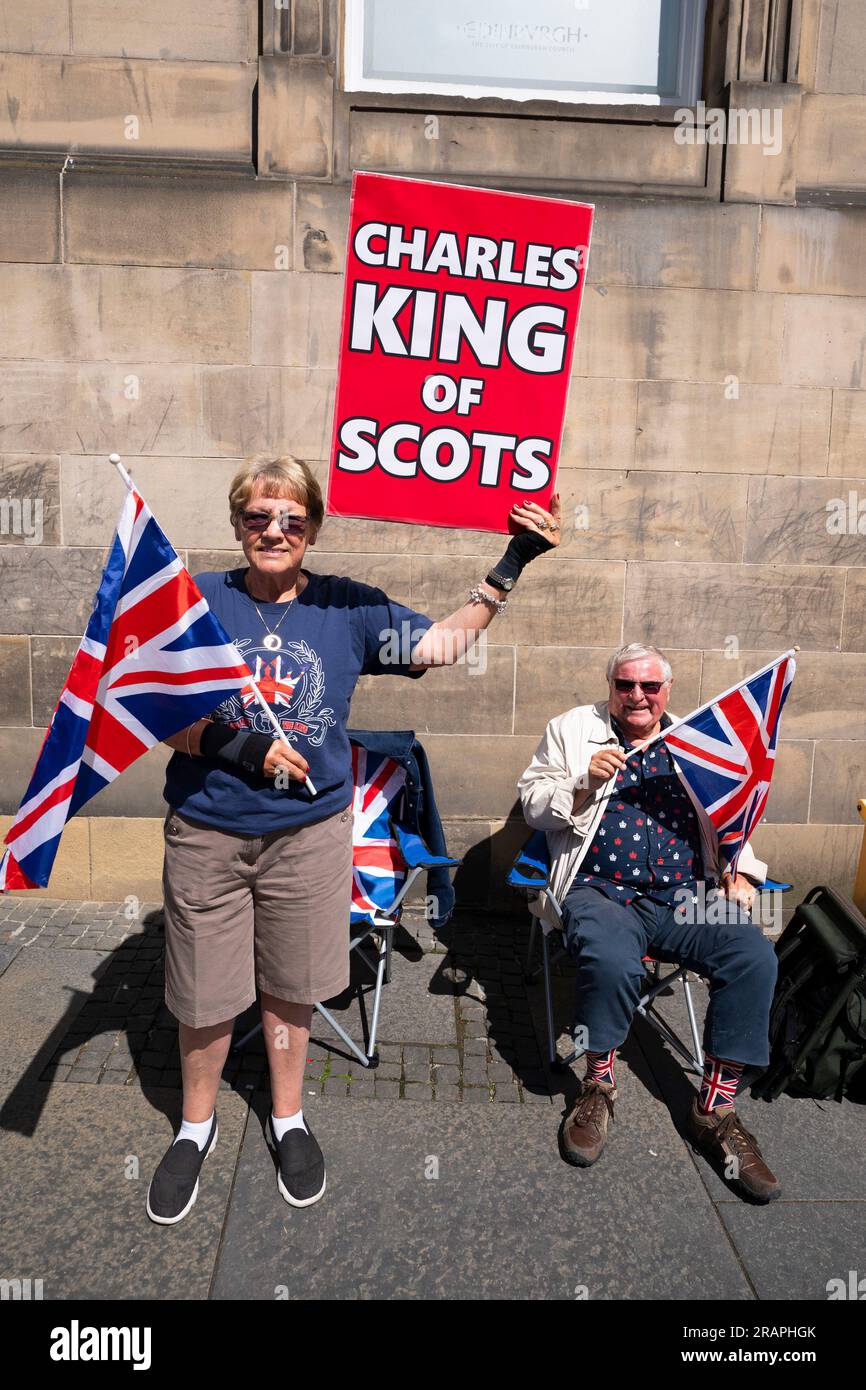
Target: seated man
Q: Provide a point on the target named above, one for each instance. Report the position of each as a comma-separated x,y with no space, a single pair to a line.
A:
628,846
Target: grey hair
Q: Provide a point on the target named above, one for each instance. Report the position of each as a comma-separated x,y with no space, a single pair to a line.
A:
632,652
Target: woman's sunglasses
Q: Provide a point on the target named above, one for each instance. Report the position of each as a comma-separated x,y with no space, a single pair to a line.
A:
288,522
648,687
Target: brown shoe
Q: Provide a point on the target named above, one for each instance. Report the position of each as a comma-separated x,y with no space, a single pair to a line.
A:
584,1129
723,1139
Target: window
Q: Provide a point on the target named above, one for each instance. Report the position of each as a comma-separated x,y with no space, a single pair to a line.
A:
599,51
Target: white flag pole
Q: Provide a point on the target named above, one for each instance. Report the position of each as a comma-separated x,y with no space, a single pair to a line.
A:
715,700
275,723
115,459
277,728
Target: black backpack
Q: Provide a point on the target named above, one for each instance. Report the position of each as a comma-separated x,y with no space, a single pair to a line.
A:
818,1017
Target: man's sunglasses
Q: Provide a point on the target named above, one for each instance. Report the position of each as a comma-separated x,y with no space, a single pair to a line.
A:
648,687
288,522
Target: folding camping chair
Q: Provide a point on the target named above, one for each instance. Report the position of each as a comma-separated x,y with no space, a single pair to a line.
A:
388,857
530,875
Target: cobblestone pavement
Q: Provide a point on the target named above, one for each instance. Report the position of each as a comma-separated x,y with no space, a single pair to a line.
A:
124,1035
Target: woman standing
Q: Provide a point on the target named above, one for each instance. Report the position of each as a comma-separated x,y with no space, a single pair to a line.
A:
257,867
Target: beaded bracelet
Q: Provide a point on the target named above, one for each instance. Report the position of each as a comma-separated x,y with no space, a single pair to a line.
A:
478,595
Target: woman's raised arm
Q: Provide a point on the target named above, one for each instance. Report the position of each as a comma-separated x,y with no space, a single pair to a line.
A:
450,638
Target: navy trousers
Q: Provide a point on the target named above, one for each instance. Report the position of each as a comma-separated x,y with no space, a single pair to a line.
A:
607,940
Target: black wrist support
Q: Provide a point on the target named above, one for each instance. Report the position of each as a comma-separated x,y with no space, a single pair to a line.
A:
521,549
238,746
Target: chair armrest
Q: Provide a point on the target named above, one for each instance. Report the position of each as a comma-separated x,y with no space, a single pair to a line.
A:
518,879
415,853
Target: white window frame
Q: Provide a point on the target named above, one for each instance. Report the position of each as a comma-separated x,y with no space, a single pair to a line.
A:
688,80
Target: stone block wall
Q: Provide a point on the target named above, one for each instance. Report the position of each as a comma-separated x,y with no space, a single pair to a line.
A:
176,297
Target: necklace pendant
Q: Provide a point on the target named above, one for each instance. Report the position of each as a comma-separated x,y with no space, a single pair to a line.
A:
272,642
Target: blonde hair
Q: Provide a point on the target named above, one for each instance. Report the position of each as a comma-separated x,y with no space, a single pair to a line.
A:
285,476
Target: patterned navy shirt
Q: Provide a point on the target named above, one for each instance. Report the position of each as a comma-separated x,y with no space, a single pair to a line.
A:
648,841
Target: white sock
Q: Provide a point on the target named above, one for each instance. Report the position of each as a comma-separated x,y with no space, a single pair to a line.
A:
282,1127
197,1133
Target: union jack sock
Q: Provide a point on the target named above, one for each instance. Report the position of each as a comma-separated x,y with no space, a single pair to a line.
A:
599,1066
719,1083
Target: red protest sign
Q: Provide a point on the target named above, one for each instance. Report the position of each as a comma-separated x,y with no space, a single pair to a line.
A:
459,319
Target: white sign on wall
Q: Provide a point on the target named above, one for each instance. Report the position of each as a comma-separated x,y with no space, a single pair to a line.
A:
643,51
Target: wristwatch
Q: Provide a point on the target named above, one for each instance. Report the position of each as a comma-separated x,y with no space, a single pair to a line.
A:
499,581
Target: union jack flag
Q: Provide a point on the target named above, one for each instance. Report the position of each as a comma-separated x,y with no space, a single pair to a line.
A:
726,751
277,688
378,869
152,660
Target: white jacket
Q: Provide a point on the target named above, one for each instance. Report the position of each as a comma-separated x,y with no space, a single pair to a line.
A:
547,794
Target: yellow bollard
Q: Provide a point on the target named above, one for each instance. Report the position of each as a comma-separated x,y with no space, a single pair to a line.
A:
860,880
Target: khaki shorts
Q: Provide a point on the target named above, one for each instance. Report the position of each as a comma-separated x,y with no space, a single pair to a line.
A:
246,910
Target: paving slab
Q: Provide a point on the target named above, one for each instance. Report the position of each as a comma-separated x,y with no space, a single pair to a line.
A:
76,1162
41,989
505,1218
8,952
41,994
797,1247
